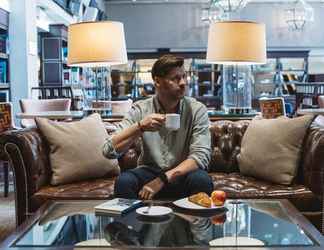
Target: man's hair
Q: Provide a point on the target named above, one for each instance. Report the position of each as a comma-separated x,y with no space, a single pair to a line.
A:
165,64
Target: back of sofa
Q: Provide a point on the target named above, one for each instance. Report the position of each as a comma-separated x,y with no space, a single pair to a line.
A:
226,139
28,153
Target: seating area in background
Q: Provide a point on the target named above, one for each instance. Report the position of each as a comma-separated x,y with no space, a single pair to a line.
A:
58,92
117,107
31,105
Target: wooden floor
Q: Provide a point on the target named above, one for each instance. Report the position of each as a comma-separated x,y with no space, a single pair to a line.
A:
7,213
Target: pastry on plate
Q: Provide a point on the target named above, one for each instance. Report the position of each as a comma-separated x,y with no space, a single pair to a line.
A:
201,199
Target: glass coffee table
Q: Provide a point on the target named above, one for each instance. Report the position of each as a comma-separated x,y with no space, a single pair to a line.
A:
240,224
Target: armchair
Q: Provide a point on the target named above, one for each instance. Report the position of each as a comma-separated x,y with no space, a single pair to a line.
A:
31,105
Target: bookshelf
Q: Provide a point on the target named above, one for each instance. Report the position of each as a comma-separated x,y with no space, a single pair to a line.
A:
307,94
58,80
281,72
134,80
5,95
55,71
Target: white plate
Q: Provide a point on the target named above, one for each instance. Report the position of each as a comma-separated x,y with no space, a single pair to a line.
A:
236,241
93,242
154,211
185,203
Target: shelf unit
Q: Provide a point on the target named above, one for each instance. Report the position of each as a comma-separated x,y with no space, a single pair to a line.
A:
307,94
281,67
57,79
5,93
135,82
55,71
283,70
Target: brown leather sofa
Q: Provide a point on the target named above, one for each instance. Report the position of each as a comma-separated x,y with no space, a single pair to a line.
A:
28,154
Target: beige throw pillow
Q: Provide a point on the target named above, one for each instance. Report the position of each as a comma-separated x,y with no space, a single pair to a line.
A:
271,148
76,149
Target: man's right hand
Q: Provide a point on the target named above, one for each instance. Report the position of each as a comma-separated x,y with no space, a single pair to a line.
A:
152,122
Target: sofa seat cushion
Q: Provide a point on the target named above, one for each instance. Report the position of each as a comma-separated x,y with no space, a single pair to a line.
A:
237,185
102,188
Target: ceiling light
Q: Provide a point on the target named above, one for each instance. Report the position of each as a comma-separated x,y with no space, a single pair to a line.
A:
299,14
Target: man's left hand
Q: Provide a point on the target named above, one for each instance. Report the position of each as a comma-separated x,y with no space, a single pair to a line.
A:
150,189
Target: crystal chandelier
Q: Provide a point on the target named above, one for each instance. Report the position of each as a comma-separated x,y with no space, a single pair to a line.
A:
230,6
212,14
299,14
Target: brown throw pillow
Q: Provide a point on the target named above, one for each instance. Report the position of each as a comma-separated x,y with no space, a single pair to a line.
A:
76,149
271,148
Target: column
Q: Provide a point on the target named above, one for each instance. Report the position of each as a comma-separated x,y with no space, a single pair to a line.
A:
23,50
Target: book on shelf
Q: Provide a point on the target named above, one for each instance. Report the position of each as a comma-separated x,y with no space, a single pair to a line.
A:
118,206
3,71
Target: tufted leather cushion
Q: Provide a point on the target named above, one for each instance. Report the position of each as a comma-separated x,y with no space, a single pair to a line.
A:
235,185
226,139
92,189
240,186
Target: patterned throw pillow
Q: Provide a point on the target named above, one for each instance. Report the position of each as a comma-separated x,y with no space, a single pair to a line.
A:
5,116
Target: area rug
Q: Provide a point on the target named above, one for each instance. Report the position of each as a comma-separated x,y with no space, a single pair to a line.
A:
7,214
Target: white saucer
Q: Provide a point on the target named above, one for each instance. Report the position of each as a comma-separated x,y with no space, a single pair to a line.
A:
154,211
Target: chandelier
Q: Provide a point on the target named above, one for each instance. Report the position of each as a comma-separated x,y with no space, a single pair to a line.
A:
219,10
212,14
230,6
299,14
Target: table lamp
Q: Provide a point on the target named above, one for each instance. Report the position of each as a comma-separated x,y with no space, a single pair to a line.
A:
97,45
236,45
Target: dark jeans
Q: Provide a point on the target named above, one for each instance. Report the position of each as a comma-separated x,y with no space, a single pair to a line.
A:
130,182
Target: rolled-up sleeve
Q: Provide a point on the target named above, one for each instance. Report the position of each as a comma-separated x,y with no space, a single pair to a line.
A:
133,116
200,144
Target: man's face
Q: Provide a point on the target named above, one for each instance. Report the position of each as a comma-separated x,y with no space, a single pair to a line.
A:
172,85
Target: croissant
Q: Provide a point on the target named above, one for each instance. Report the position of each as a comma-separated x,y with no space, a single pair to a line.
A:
201,199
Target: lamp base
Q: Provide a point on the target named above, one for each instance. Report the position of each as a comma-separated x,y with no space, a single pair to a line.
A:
239,111
237,89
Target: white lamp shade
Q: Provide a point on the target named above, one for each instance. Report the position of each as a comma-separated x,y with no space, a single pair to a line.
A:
236,42
96,44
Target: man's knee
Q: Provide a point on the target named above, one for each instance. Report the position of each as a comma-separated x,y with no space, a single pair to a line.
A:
199,181
126,185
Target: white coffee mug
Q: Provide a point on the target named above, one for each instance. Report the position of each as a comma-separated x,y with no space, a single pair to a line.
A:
172,121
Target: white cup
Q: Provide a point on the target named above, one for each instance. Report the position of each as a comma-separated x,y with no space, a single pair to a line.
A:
172,121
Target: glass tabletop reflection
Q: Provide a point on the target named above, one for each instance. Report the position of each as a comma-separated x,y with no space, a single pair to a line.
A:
241,223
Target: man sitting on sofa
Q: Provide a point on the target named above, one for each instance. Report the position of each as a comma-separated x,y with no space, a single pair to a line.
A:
173,163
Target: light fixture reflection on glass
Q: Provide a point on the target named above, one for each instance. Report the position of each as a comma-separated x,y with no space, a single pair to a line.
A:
231,5
299,14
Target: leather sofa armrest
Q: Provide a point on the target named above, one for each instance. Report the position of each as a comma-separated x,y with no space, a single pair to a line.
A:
313,158
27,153
323,208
